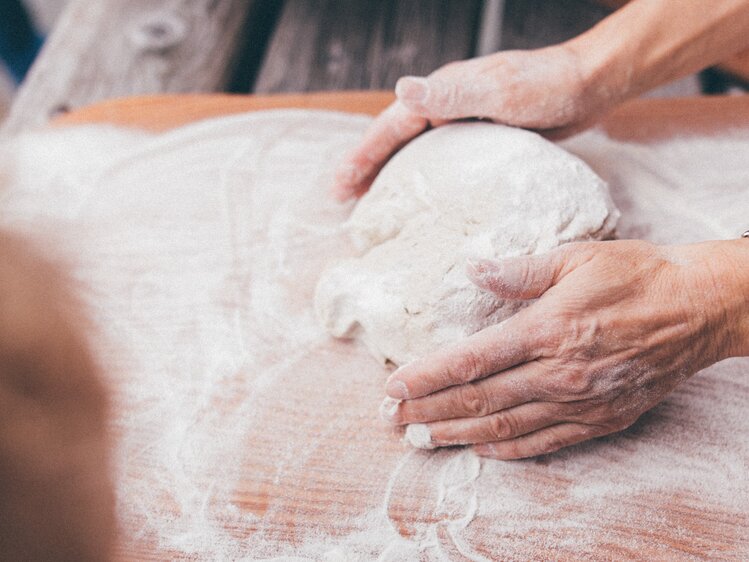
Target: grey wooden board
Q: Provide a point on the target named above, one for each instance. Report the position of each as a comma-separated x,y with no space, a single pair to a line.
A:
343,44
530,24
490,30
109,48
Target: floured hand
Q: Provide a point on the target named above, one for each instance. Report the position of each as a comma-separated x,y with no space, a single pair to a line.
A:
545,89
558,89
617,325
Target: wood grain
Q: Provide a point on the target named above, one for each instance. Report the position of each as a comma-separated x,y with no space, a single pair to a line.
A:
638,120
164,112
644,525
335,44
531,24
111,48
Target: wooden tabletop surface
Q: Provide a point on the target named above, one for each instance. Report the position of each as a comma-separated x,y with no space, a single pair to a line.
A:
641,121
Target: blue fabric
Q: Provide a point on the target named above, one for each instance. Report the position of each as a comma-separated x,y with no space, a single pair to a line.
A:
19,41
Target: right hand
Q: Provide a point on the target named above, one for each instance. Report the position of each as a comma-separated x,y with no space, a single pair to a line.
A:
549,90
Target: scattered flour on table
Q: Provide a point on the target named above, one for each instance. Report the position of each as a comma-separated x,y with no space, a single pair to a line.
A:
465,190
244,432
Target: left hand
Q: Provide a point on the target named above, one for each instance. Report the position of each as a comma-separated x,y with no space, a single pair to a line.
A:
550,90
617,325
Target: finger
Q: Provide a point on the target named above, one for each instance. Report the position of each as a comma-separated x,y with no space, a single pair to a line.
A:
474,399
521,277
541,442
392,129
502,425
447,98
455,91
496,348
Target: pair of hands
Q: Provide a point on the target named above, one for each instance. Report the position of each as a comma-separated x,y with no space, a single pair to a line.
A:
617,325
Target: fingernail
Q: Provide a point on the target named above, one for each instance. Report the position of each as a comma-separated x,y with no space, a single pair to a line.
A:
346,177
412,88
348,174
477,269
419,436
396,389
474,266
389,409
341,194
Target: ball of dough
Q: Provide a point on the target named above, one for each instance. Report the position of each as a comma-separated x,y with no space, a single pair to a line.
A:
468,190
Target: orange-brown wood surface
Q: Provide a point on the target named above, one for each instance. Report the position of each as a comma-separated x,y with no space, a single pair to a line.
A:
642,119
163,112
711,530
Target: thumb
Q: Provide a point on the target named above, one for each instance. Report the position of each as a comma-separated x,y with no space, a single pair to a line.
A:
452,95
522,277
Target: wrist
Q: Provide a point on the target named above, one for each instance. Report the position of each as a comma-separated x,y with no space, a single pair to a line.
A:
727,266
649,42
605,71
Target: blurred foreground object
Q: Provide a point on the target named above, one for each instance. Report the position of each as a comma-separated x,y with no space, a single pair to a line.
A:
57,500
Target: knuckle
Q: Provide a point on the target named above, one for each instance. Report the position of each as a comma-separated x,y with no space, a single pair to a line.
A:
572,383
577,408
550,443
503,426
526,272
465,368
578,382
472,401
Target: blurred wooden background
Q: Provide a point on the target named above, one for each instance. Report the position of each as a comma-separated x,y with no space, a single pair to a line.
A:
112,48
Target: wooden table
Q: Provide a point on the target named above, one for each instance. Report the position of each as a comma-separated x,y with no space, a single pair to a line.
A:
642,121
112,48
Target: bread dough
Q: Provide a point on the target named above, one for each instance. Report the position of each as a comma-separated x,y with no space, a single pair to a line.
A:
459,191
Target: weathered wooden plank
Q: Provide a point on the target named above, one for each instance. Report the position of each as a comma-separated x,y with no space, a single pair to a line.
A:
490,30
111,48
640,120
530,24
338,44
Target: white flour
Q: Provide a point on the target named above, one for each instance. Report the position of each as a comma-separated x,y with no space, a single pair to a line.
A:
245,433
